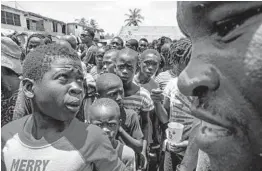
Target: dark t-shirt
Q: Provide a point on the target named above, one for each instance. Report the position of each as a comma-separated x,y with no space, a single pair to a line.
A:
130,124
80,148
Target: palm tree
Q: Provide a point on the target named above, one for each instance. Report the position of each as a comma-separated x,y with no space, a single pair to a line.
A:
134,17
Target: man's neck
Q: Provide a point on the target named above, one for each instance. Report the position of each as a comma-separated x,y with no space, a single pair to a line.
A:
45,126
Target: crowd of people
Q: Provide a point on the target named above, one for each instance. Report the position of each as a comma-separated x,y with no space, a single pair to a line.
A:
75,104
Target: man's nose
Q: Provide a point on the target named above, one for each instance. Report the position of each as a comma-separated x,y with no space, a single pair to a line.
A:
75,89
119,97
198,78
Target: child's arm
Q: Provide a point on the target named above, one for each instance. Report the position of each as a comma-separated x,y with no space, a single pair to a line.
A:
145,128
136,145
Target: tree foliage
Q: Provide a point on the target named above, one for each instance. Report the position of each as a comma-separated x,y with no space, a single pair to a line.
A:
134,17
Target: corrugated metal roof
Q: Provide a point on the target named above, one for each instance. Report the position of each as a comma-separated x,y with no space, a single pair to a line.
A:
149,32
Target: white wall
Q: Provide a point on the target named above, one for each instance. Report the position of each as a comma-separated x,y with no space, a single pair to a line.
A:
59,28
23,26
48,26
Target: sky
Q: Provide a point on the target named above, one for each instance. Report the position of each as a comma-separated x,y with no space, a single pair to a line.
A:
110,15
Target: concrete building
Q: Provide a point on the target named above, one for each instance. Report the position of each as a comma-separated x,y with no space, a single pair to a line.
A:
74,28
149,32
23,21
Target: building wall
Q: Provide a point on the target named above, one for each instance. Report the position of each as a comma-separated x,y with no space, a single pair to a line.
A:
78,30
59,28
71,28
22,20
48,26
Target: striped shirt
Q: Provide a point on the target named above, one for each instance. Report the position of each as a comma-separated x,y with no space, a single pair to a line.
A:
164,77
179,107
140,101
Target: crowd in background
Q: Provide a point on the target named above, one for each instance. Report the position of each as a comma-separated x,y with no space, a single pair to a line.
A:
150,96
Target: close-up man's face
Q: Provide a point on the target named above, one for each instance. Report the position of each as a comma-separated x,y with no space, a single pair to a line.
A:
225,73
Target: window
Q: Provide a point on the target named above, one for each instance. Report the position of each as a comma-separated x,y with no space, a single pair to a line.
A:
76,26
28,24
3,17
64,29
54,26
10,18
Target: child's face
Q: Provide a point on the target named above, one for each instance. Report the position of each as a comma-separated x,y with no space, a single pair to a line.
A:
107,119
149,65
99,57
60,92
116,44
114,92
126,67
109,64
142,45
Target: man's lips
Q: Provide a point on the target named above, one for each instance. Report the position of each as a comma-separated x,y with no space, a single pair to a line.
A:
199,112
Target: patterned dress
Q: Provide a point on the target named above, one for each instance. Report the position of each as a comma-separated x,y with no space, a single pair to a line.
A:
7,107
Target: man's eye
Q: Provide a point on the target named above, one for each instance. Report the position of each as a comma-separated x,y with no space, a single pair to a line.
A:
225,26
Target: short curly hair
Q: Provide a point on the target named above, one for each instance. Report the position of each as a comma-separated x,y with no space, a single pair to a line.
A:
47,39
38,62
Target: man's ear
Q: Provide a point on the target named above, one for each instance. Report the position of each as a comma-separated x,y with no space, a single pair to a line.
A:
28,87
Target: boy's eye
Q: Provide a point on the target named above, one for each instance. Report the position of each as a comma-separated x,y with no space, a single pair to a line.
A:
63,77
98,124
80,79
121,66
112,125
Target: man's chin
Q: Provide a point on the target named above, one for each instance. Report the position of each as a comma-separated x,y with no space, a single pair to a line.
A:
212,139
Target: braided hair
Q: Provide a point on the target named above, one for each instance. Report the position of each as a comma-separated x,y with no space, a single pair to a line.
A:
180,53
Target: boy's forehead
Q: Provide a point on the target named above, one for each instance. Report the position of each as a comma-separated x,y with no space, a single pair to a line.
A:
104,113
67,63
126,57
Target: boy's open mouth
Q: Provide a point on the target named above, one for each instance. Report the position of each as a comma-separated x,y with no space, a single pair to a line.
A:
73,106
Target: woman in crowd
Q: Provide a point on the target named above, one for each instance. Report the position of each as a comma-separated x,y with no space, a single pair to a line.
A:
11,70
